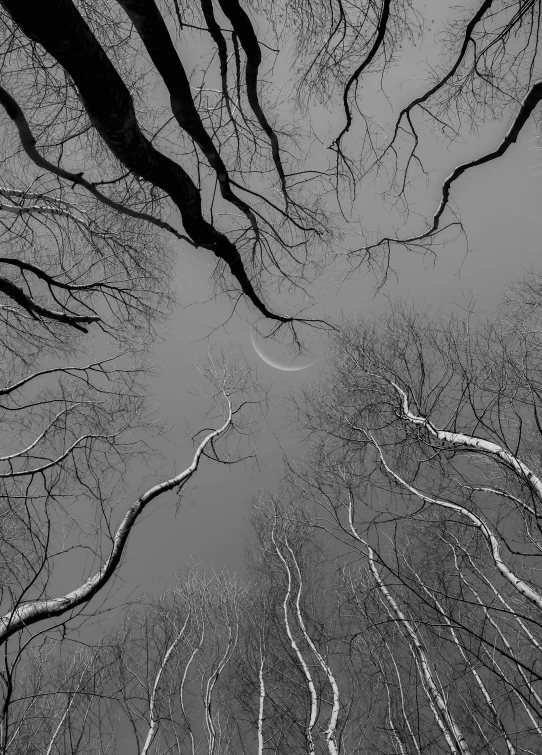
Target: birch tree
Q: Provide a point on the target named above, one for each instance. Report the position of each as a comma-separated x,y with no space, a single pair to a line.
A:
30,611
154,683
425,438
174,653
114,157
288,675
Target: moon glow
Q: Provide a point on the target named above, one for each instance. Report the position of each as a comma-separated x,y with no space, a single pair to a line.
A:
274,362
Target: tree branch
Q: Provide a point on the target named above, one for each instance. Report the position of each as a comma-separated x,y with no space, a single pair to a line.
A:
249,41
381,31
532,99
154,34
18,295
30,613
471,442
28,143
58,26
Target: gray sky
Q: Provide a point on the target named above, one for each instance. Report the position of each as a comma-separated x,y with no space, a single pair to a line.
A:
499,205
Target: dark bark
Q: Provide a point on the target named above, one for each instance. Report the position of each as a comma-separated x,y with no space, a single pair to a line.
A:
28,143
36,311
59,27
154,34
379,39
467,40
249,42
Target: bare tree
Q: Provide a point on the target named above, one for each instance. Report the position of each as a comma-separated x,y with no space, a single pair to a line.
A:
173,654
287,676
155,683
425,438
248,178
30,611
113,155
128,161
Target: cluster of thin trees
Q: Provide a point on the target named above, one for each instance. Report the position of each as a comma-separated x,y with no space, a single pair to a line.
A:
393,601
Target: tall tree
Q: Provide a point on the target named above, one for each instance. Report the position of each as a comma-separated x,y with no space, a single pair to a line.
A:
215,152
425,439
31,554
115,155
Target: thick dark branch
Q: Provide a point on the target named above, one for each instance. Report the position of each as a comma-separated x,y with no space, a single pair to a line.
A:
59,27
154,34
249,41
28,143
220,41
527,106
49,279
18,295
222,48
27,614
380,33
480,13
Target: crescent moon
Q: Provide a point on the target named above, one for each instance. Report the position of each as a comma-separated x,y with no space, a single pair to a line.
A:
273,362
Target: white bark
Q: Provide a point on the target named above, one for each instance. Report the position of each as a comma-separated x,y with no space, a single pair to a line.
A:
494,547
183,682
233,637
68,708
390,717
30,613
403,705
332,727
491,620
472,442
153,718
295,648
261,702
53,462
476,675
38,209
498,595
449,728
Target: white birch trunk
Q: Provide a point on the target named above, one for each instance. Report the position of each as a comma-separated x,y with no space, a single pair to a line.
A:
331,729
473,443
25,615
310,683
487,697
522,587
153,718
261,702
505,642
449,728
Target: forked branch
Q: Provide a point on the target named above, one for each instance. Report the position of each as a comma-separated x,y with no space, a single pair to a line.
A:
24,616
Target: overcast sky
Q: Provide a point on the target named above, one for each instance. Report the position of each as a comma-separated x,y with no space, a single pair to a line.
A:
499,205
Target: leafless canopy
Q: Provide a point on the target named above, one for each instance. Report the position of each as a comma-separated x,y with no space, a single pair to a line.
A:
133,129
